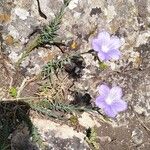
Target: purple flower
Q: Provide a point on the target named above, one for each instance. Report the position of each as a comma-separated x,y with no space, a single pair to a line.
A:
110,100
107,47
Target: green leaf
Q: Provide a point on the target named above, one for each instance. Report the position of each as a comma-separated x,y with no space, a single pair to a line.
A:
13,91
91,138
102,66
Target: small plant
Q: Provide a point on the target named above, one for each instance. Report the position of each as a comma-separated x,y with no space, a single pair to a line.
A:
48,35
36,137
91,138
13,92
102,65
53,66
51,108
73,64
74,120
49,32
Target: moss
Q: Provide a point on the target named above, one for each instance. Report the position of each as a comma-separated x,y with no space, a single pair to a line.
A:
74,120
13,91
102,66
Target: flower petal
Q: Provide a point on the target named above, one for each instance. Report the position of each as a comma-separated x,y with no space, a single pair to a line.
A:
115,93
100,102
110,111
104,37
114,54
114,43
119,105
96,45
103,90
102,56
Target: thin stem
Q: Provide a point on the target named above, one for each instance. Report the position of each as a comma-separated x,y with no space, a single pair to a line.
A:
27,50
21,98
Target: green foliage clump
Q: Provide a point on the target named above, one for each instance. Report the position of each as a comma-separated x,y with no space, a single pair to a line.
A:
54,65
74,120
50,32
102,66
36,137
51,108
91,138
13,91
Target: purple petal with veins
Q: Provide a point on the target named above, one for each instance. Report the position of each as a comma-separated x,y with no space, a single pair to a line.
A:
110,100
106,46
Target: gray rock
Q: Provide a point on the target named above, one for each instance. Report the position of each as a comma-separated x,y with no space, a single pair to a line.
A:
137,136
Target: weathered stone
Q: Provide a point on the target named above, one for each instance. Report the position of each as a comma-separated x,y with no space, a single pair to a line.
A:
59,136
83,19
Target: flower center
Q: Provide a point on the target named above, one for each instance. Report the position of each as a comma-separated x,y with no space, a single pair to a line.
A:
104,48
108,100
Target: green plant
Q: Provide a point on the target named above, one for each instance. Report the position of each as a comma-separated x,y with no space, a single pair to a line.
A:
13,91
50,32
53,66
50,108
102,65
91,138
36,137
48,35
74,120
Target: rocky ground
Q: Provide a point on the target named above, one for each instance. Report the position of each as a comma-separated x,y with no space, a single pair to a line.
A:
20,22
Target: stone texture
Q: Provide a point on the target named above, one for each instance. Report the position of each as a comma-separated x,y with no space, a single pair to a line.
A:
129,20
59,136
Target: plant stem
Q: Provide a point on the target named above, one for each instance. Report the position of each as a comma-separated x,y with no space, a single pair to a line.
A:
30,46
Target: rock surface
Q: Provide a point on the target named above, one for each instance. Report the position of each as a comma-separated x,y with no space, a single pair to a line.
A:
83,19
